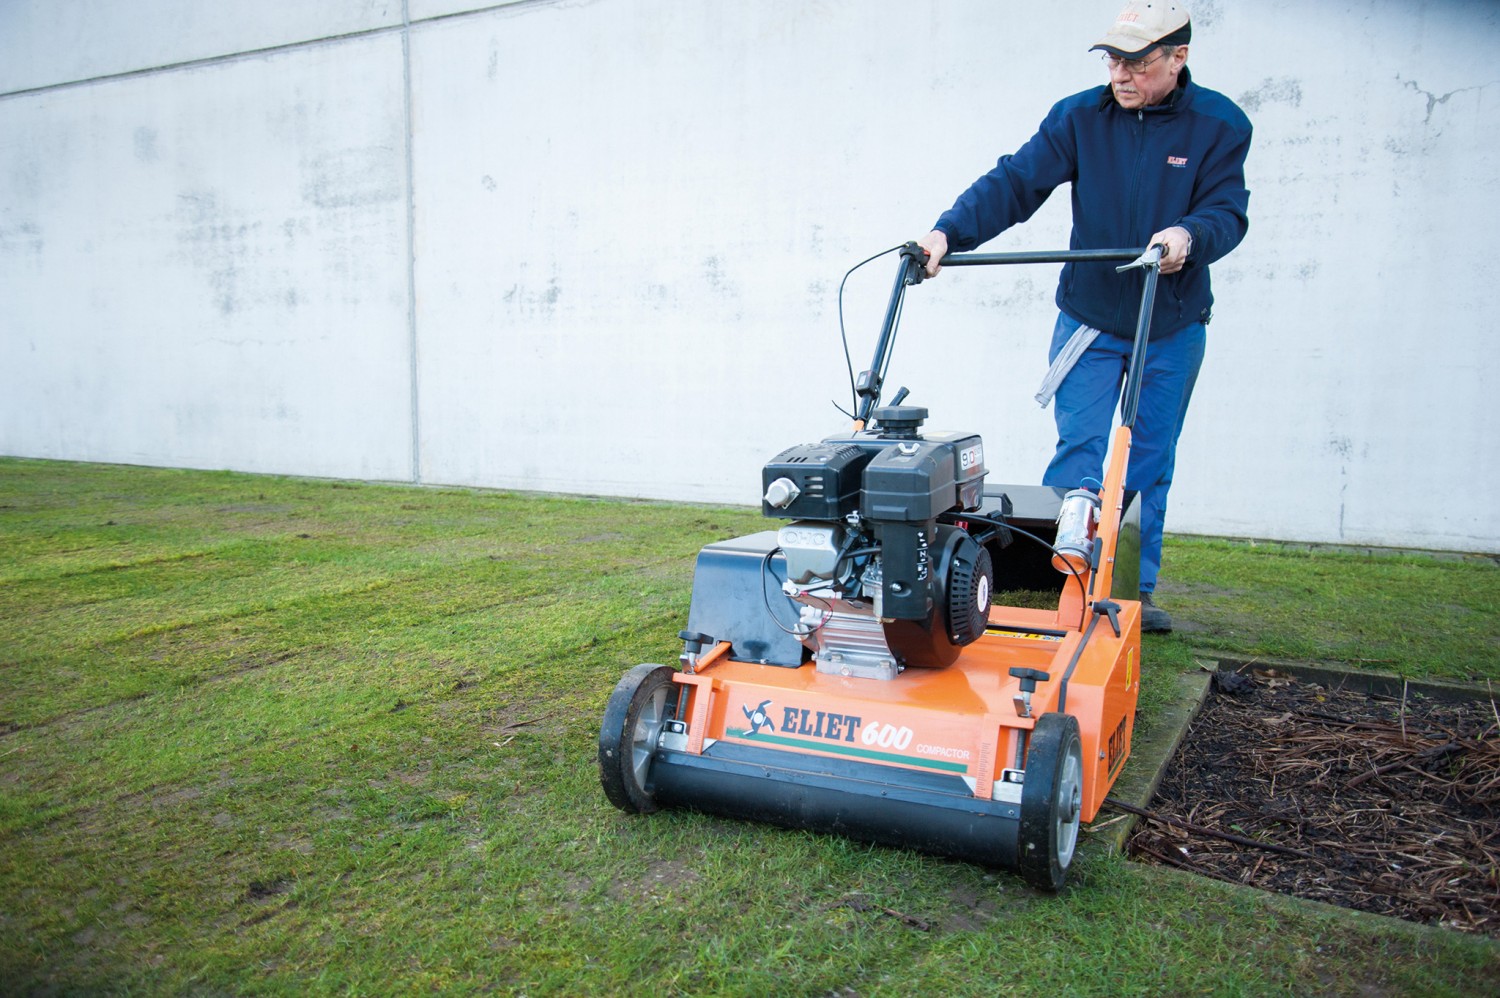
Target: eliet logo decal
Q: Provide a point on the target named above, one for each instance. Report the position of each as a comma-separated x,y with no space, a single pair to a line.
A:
1117,745
799,720
845,734
823,724
759,718
1178,161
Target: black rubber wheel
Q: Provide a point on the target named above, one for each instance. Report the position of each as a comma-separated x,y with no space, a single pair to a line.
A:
637,712
1051,801
971,582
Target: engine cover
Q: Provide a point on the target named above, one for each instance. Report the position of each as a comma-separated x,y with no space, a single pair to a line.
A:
913,481
825,477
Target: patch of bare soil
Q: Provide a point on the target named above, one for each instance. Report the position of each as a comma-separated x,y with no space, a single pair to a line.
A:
1385,804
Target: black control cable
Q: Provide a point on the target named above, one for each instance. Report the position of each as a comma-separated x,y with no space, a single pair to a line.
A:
844,335
796,632
994,522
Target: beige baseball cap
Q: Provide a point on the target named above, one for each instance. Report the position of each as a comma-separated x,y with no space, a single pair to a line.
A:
1143,25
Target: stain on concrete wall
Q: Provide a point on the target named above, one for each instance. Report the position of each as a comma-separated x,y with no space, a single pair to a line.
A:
212,280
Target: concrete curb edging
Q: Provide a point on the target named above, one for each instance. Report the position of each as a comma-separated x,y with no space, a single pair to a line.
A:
1363,680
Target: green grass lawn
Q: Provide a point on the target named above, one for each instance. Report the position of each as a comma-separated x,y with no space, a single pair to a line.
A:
266,735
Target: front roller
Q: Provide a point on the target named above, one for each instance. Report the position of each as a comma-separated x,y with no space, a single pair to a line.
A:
637,713
643,766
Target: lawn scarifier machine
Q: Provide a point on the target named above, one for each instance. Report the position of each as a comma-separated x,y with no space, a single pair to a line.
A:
848,672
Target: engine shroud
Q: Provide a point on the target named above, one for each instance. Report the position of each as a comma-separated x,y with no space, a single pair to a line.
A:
913,479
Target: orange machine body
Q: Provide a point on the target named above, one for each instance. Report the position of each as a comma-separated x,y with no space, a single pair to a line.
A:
968,719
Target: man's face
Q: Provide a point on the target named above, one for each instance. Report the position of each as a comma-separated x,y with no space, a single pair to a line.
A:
1151,84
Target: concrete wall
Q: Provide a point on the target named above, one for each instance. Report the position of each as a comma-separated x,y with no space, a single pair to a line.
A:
595,246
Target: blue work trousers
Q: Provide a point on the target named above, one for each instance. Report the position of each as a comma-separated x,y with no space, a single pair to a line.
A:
1084,408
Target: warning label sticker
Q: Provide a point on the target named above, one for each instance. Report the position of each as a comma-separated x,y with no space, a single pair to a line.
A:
1006,632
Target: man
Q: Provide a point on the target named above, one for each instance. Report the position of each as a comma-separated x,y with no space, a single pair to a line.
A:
1153,158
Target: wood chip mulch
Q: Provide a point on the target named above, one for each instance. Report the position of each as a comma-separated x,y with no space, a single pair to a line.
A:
1382,804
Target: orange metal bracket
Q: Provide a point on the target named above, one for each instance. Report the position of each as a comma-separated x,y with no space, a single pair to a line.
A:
1070,606
703,692
719,653
989,753
1112,504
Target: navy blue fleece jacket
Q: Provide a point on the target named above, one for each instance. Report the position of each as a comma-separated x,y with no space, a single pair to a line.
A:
1133,173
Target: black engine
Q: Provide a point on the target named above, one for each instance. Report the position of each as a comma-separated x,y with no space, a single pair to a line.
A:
881,583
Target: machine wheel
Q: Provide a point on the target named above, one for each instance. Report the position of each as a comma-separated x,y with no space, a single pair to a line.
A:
1051,801
970,585
637,712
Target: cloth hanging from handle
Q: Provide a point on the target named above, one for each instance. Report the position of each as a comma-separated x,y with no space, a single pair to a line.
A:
1063,363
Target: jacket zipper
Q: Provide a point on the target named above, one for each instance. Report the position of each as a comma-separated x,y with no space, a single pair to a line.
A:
1135,206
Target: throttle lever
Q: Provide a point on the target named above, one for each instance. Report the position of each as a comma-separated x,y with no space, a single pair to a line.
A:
915,253
1149,260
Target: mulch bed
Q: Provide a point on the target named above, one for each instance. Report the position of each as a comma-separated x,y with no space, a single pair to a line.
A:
1383,804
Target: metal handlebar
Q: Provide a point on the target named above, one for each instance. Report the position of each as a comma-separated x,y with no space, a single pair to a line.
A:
1150,262
1041,256
913,271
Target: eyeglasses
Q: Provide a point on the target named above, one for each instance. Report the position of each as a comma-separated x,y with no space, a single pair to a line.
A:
1131,66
